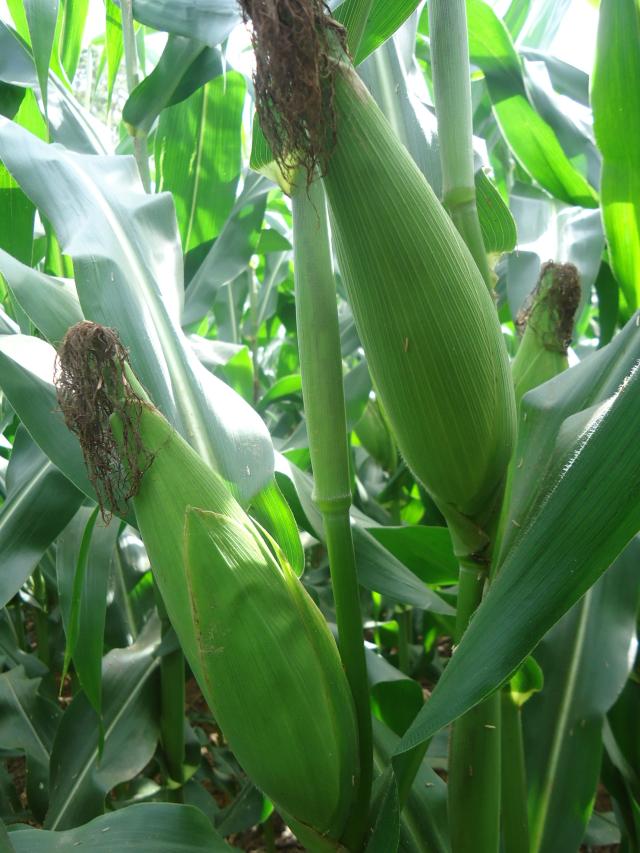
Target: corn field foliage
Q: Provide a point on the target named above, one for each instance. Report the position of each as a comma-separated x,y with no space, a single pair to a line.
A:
319,412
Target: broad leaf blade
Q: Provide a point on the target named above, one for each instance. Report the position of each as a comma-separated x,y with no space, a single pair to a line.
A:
585,659
144,828
73,22
158,89
83,576
50,303
573,530
26,378
383,20
198,156
128,268
616,112
28,722
39,504
80,776
41,19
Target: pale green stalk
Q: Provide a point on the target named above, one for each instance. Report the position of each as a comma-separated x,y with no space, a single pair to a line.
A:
515,821
474,753
452,91
322,388
131,66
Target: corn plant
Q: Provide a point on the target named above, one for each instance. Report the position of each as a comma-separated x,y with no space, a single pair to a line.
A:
318,400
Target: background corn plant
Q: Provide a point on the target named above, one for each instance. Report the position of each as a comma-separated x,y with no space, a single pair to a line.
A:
186,248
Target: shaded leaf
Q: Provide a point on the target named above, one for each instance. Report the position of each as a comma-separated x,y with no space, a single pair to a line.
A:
50,303
28,722
586,661
232,251
80,776
144,828
40,502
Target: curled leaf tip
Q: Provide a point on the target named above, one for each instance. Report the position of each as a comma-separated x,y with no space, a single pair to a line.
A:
91,386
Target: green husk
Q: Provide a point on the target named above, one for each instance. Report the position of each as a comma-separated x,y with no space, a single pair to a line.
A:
263,655
425,318
548,326
261,651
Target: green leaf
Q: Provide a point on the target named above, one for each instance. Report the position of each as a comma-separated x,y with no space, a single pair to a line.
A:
571,507
176,68
15,207
73,23
608,298
616,113
585,660
544,21
40,502
496,221
232,250
396,698
416,127
42,16
80,775
532,141
198,156
28,722
50,303
272,511
424,825
382,22
516,16
128,266
83,562
285,387
378,569
144,828
209,21
114,45
26,378
427,551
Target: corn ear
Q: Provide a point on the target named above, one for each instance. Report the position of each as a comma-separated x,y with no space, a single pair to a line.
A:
424,315
260,649
548,322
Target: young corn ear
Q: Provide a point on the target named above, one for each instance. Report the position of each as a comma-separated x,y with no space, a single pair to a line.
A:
548,328
263,655
424,315
261,651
